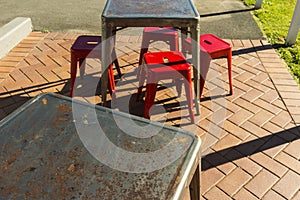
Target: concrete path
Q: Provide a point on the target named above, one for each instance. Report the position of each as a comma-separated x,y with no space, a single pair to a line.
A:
226,18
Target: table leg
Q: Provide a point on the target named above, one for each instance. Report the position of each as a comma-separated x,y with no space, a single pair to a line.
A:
195,191
107,32
195,35
184,32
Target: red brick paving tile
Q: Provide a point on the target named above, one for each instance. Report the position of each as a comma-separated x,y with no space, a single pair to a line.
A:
273,66
261,77
256,43
244,194
271,195
33,76
236,130
288,185
270,96
27,46
247,105
210,178
12,58
292,102
267,106
244,77
268,55
252,95
6,69
270,60
234,181
259,67
253,84
273,146
254,129
18,54
287,88
278,102
6,101
228,141
232,107
270,164
248,66
47,74
261,117
61,61
227,167
248,165
246,43
237,43
242,86
261,183
282,119
239,61
284,82
8,63
59,36
280,76
31,60
297,196
290,95
293,149
240,117
288,161
20,78
216,193
296,118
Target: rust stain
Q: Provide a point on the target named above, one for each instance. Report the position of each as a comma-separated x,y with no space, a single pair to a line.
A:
44,101
182,140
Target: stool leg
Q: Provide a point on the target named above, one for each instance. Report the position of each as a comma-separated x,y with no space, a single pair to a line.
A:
82,66
189,94
111,80
73,73
144,48
229,60
205,60
174,46
149,99
116,62
141,78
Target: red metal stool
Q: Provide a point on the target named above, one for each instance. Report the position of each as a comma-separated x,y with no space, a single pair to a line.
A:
164,65
216,48
89,46
166,34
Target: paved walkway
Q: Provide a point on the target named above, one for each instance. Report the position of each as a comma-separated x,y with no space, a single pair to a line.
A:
251,146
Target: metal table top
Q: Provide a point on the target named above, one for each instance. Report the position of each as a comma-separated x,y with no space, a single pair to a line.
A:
157,11
54,147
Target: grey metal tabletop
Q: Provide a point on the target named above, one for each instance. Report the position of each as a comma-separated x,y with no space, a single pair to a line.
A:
54,147
155,9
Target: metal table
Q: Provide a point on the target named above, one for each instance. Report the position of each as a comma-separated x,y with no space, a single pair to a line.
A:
140,13
54,147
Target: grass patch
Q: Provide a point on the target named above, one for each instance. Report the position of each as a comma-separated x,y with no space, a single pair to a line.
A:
274,19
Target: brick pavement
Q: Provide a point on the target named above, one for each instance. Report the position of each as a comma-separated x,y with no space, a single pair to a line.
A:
250,139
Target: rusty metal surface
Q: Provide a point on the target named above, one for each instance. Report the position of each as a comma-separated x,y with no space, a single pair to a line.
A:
153,9
42,156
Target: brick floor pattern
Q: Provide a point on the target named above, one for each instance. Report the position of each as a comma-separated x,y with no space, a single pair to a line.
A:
251,146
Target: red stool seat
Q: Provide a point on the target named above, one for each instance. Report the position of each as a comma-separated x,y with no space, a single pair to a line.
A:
216,48
164,65
151,34
89,46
